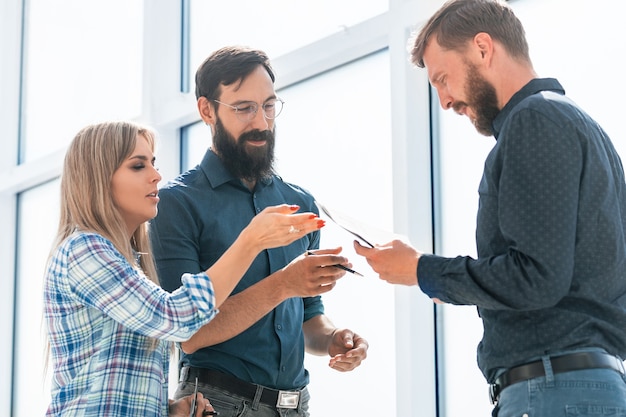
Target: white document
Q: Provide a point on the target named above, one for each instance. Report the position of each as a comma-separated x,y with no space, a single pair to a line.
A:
366,234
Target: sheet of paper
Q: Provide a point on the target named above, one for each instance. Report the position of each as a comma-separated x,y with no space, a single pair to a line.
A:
366,234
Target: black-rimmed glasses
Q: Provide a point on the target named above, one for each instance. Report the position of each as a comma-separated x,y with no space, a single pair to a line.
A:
247,110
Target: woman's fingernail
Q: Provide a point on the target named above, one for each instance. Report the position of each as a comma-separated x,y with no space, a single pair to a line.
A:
320,224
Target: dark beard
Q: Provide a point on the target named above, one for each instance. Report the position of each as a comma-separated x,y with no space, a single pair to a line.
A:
482,99
250,163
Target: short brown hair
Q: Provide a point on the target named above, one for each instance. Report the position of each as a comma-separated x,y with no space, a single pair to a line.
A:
228,65
458,21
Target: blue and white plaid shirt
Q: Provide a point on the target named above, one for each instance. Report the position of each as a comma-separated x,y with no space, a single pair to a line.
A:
102,315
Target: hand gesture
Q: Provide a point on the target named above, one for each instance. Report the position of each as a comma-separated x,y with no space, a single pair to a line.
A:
312,274
347,350
182,406
395,262
279,226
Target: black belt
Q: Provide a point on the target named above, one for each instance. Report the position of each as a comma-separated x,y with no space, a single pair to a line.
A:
564,363
271,397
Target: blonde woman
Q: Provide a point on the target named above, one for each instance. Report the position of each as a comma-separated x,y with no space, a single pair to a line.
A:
109,324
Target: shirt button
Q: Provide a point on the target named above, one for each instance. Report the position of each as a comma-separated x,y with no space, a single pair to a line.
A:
279,327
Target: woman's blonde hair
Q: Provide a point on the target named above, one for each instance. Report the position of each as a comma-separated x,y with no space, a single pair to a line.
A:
92,158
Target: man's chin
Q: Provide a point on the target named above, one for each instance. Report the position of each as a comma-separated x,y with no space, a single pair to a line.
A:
482,129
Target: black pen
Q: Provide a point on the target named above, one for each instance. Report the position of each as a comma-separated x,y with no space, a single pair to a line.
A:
345,268
194,404
194,401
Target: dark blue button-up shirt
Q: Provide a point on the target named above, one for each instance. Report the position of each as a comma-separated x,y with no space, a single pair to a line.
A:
551,236
201,213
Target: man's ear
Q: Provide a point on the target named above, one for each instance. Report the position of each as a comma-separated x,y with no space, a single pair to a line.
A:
207,111
483,43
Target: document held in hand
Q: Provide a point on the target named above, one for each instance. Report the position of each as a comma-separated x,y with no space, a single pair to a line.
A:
366,234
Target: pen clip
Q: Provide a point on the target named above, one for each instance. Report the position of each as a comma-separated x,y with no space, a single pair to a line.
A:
194,401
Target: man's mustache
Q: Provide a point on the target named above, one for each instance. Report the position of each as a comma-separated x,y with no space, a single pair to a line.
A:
256,135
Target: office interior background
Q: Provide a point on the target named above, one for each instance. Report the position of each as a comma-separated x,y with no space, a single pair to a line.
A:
361,130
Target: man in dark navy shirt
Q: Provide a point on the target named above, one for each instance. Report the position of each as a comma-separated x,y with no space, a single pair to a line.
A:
250,358
550,277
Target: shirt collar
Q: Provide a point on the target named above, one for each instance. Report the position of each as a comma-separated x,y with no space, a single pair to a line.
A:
533,87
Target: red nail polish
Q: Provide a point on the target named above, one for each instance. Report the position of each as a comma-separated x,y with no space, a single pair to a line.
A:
320,224
312,216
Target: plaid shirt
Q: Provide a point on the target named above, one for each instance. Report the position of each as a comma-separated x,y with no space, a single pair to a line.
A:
102,315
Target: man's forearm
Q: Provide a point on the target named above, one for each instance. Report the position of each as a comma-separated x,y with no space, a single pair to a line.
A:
237,313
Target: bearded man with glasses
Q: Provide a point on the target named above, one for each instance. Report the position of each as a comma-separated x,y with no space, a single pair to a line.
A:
251,356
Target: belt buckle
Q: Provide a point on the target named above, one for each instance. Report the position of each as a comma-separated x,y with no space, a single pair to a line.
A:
288,399
494,393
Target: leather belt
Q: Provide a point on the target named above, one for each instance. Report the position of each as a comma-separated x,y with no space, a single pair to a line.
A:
268,396
565,363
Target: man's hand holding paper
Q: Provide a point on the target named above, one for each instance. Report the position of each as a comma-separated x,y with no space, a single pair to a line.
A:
395,262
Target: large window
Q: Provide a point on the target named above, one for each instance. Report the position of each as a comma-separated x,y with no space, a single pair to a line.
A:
278,26
328,146
38,210
82,64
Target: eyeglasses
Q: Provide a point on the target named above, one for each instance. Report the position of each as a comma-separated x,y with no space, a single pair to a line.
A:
247,110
